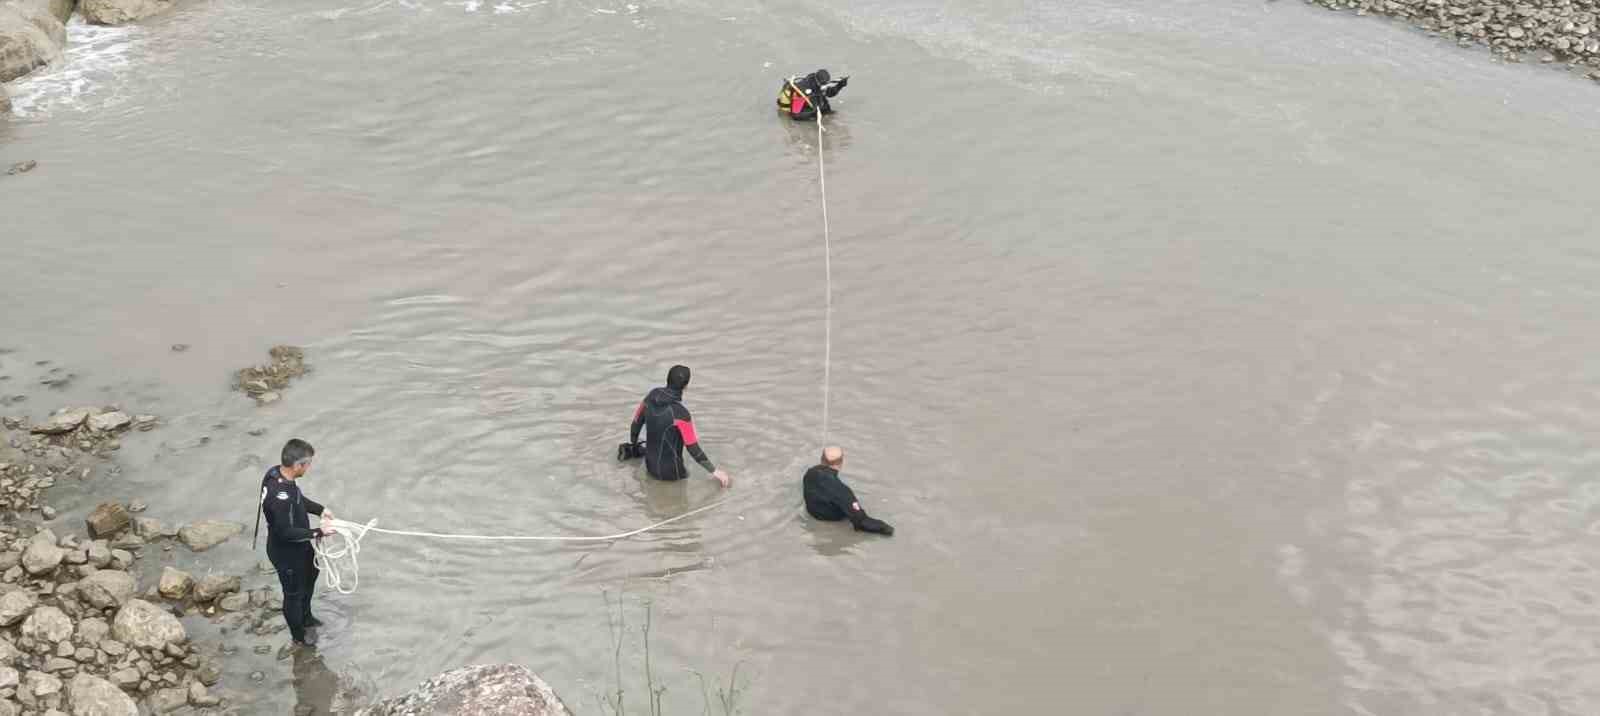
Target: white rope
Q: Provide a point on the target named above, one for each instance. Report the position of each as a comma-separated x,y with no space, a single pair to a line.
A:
336,554
827,266
827,274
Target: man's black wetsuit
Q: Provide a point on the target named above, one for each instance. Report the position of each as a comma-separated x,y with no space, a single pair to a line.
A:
668,430
828,498
815,89
289,535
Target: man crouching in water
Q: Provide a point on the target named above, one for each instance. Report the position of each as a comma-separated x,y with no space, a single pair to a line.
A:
829,499
668,430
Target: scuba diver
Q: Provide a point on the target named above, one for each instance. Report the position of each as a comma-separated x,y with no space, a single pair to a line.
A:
813,93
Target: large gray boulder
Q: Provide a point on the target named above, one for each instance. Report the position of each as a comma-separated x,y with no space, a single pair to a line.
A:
61,10
201,536
107,588
121,12
30,37
146,626
486,690
94,696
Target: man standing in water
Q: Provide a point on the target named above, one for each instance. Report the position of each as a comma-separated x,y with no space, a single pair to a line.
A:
289,536
668,430
829,499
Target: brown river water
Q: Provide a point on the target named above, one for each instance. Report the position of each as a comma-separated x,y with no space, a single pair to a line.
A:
1208,358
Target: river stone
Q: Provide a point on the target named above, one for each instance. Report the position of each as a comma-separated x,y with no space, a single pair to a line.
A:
166,701
10,558
125,540
121,559
59,663
107,519
485,689
9,678
126,678
8,653
215,585
120,12
107,588
175,583
94,696
15,606
208,673
146,626
39,683
63,421
109,422
152,528
199,696
234,602
201,536
98,553
92,631
47,624
42,554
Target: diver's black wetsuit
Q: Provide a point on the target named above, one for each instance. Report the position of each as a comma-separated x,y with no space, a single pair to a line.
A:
828,498
668,430
289,535
816,87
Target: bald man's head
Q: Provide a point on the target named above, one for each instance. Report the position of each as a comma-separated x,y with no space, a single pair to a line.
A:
833,456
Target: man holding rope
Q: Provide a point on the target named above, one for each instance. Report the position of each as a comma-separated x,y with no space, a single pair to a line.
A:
289,536
801,97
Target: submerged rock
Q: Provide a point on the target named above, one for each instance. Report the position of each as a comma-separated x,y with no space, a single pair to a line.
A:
486,689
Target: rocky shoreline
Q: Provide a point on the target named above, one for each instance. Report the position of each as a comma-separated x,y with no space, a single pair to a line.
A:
92,620
1547,31
77,634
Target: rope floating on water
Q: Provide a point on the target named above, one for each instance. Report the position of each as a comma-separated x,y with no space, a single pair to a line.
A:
336,554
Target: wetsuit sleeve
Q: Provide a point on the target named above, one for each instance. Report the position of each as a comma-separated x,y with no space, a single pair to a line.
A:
638,423
312,506
281,521
844,498
691,442
834,89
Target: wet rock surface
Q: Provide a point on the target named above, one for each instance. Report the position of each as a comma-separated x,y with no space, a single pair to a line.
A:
266,383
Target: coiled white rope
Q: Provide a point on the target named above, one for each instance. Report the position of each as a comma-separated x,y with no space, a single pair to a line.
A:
336,554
